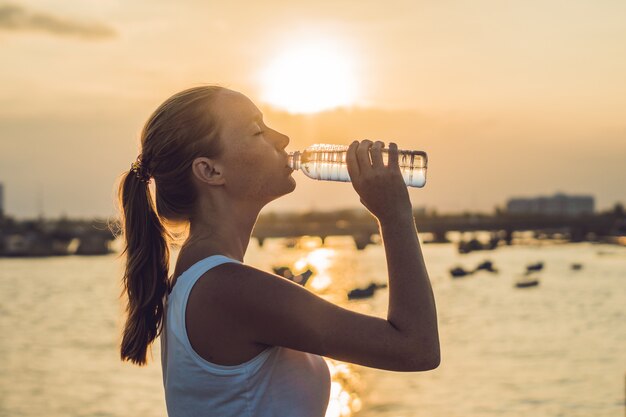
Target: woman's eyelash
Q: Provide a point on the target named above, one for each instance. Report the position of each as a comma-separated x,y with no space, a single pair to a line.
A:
260,132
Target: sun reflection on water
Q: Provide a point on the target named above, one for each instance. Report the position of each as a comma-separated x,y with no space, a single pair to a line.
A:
344,401
320,260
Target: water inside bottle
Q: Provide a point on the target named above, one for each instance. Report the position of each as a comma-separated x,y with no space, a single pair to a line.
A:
329,163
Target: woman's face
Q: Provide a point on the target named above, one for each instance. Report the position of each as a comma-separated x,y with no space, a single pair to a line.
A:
253,158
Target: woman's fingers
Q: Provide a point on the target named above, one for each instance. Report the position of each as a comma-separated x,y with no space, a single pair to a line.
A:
376,153
366,156
392,162
352,161
381,188
363,155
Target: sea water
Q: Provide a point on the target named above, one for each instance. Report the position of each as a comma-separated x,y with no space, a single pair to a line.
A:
553,350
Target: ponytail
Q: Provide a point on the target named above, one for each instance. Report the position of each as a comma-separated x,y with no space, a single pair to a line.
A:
181,129
147,261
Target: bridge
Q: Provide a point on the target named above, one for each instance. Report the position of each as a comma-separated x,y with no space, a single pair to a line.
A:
363,226
91,237
40,237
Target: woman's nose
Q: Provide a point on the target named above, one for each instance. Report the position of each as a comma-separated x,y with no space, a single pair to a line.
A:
283,140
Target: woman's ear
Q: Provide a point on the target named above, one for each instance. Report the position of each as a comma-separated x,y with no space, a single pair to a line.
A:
208,171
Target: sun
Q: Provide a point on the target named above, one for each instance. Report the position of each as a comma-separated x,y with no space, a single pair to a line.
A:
310,76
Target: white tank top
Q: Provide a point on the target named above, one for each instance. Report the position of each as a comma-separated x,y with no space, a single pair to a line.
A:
278,382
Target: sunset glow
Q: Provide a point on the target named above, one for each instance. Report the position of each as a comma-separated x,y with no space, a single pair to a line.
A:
448,79
309,77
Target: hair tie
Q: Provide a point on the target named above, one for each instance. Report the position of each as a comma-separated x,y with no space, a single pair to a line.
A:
140,170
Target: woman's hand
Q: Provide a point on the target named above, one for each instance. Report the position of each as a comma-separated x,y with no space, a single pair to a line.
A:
381,188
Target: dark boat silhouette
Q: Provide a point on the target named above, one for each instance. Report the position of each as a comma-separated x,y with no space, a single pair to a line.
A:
534,267
367,292
486,266
459,272
285,272
527,281
475,245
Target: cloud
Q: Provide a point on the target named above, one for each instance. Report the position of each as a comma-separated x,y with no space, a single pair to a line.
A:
16,18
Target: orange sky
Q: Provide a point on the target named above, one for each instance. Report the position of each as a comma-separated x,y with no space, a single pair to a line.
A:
508,98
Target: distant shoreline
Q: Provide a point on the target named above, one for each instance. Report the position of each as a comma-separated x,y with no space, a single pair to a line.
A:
62,237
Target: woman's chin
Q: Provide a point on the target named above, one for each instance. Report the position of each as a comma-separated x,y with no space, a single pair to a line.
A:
291,186
293,182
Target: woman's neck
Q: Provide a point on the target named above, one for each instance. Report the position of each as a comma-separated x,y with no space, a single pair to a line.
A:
223,229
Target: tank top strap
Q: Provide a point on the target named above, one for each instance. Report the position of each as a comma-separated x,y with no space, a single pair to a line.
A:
188,278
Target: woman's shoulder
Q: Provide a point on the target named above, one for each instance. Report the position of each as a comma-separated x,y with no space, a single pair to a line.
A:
191,256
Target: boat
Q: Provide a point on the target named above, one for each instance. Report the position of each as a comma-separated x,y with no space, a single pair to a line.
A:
459,272
486,266
534,267
285,272
475,245
367,292
577,267
303,277
527,281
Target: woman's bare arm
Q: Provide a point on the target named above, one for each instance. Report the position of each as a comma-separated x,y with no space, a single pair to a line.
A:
381,188
411,302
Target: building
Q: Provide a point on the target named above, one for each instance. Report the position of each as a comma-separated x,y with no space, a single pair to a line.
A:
558,204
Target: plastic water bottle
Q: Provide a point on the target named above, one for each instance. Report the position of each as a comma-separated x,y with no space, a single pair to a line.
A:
328,163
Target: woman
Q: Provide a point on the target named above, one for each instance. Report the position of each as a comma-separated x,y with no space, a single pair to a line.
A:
238,341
